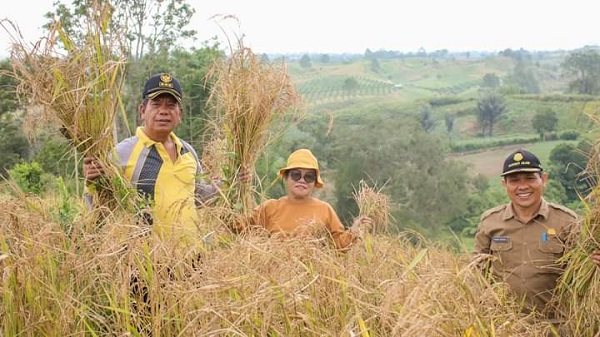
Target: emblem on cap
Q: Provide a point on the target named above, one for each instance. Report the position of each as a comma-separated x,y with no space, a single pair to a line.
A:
518,156
166,81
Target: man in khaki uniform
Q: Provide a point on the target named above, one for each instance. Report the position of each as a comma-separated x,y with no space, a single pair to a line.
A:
526,236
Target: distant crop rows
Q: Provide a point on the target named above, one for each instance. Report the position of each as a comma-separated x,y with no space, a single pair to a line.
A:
321,90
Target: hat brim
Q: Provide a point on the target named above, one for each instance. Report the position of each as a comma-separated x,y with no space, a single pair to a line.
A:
318,182
157,93
529,170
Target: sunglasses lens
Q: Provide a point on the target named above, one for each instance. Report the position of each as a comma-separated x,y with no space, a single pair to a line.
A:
295,175
309,177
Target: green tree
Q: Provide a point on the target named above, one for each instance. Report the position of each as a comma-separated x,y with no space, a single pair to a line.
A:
264,58
544,121
490,107
149,31
305,61
426,119
14,146
584,67
481,198
375,66
324,58
567,163
351,85
449,121
410,164
491,81
524,76
192,68
8,86
148,27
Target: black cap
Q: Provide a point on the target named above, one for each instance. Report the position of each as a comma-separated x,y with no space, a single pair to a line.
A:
521,161
162,83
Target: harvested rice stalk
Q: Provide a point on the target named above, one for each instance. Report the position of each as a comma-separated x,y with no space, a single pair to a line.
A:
374,204
579,286
78,84
249,96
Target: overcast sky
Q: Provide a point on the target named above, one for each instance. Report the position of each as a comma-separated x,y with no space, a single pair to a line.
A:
336,26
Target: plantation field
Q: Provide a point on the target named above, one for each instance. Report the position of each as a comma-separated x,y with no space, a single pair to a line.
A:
489,162
67,274
415,77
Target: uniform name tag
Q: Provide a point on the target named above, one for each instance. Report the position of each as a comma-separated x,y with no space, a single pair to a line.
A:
500,239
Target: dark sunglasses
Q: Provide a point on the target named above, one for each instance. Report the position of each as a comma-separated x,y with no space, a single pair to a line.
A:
309,177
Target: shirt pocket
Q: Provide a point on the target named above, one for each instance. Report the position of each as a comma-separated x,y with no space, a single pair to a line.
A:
550,250
551,245
500,246
501,250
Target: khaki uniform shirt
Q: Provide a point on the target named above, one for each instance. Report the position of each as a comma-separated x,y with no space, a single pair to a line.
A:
524,255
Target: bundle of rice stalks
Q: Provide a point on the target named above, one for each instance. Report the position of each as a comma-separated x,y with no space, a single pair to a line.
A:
249,96
78,84
579,286
214,154
375,205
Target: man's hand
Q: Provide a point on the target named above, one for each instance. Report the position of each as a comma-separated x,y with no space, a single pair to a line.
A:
596,257
245,175
92,168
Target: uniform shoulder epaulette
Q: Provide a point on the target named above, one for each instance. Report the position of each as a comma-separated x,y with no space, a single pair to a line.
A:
563,209
492,211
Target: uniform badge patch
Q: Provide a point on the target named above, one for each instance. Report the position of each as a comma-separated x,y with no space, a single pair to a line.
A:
500,239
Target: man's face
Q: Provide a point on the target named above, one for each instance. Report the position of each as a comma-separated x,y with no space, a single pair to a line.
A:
525,189
161,115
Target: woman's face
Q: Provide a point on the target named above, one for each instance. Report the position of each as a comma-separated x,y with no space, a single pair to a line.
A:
300,182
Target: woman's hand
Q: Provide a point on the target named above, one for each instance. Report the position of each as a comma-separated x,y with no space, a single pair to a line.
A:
364,222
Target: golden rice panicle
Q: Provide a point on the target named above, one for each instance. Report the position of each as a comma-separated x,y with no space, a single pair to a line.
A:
579,285
77,83
375,205
254,103
214,155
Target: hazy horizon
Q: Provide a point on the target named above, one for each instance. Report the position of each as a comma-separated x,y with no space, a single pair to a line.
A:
338,27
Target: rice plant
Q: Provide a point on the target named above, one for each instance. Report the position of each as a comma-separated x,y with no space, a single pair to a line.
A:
116,282
77,84
579,286
254,102
375,205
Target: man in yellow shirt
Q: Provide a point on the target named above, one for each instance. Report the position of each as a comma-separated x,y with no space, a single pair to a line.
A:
163,168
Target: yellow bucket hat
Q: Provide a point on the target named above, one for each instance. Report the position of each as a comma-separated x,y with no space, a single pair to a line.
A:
303,158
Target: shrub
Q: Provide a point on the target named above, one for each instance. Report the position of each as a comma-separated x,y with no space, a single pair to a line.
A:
479,145
569,135
30,177
436,102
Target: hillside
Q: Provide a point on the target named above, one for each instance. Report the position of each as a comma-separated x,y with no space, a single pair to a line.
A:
449,86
